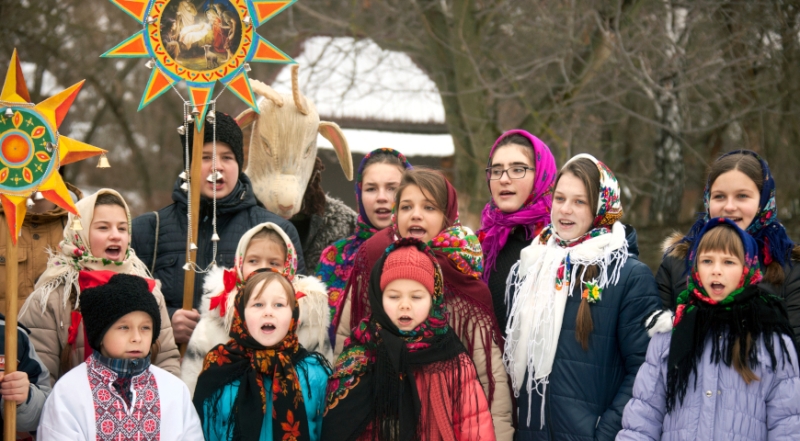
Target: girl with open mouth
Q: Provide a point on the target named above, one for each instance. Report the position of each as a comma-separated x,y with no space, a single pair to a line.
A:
426,209
740,188
520,175
579,296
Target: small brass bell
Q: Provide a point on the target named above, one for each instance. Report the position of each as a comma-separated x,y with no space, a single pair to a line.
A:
76,224
103,162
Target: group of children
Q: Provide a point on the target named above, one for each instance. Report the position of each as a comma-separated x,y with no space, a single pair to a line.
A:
404,334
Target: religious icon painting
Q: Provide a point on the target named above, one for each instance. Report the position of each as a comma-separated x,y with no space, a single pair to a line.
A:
200,42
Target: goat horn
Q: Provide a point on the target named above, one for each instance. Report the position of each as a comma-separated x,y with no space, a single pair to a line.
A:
267,92
298,99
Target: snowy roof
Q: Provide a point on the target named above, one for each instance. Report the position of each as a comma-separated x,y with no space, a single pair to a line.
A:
349,78
410,144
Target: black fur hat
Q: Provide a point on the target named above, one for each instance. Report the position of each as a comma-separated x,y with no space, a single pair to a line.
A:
103,305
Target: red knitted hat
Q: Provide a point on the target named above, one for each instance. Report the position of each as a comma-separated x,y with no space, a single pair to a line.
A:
408,263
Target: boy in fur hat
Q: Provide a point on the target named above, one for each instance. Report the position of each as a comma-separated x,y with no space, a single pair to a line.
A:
117,393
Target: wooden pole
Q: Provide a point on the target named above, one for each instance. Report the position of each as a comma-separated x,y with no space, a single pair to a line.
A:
194,193
10,407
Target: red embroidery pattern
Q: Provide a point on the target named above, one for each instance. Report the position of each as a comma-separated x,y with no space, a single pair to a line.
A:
115,422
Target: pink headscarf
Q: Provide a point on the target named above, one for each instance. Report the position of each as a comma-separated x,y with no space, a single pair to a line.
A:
534,214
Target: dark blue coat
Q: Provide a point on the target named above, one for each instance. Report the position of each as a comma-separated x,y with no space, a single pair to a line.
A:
588,390
236,213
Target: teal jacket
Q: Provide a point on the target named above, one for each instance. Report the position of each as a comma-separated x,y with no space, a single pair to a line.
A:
313,383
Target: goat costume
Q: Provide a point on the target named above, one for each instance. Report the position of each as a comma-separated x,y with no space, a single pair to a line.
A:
336,261
220,290
467,299
250,392
690,360
774,245
549,368
52,312
281,149
504,235
400,385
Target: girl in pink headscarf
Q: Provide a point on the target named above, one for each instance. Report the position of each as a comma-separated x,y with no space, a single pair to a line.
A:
520,173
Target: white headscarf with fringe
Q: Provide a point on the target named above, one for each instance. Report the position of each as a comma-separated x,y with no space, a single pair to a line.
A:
74,254
539,284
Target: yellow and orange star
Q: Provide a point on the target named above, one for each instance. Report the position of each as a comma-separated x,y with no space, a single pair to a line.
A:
32,150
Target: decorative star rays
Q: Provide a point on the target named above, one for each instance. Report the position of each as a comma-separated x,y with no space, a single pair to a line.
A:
32,150
200,45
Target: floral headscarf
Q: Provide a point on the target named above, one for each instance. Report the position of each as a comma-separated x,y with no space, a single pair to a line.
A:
336,261
246,360
460,258
534,214
391,408
770,235
747,313
74,254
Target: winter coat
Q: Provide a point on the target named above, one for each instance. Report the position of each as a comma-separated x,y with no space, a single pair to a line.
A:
28,413
236,213
50,332
40,232
336,222
722,407
588,389
70,412
506,258
313,379
211,330
671,279
501,406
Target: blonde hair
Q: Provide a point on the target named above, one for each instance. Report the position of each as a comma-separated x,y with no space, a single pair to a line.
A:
268,277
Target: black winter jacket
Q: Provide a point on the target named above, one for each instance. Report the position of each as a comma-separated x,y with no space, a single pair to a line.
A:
671,279
506,258
588,390
236,213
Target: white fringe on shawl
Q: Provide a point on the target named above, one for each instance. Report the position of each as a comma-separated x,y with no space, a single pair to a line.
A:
537,311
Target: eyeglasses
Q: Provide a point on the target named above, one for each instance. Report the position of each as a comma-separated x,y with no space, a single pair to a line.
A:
515,172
